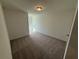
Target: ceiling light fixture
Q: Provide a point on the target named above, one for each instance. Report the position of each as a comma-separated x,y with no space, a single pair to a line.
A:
40,4
39,8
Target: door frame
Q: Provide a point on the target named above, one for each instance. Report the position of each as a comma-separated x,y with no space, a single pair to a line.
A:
67,44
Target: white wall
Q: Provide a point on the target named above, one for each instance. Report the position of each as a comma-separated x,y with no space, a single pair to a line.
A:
5,51
56,24
17,23
56,19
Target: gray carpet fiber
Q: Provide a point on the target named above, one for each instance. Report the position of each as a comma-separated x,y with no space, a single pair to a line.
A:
37,46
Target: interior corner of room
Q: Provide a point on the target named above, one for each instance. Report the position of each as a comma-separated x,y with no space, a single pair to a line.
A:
48,29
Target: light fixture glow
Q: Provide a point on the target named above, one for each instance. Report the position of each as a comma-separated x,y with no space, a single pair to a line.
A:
39,8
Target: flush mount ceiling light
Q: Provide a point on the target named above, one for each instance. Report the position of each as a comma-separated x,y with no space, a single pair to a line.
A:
39,5
39,8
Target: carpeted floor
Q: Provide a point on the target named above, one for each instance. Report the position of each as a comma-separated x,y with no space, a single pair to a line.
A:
37,46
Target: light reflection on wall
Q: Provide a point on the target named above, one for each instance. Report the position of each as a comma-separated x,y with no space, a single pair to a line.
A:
32,25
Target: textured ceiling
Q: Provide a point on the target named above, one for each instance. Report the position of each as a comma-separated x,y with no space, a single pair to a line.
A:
49,5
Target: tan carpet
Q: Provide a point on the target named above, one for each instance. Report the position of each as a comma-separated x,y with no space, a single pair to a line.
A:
37,46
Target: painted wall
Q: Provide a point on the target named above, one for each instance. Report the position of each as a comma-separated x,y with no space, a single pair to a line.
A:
56,19
17,23
56,24
5,51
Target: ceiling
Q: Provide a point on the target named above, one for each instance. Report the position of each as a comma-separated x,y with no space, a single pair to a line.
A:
50,5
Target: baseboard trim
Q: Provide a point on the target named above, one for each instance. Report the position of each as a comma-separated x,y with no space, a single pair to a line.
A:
20,37
51,37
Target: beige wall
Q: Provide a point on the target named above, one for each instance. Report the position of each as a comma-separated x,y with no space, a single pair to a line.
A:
56,24
5,51
56,19
17,23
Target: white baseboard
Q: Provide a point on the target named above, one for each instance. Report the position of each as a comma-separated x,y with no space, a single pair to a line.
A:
20,37
52,37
